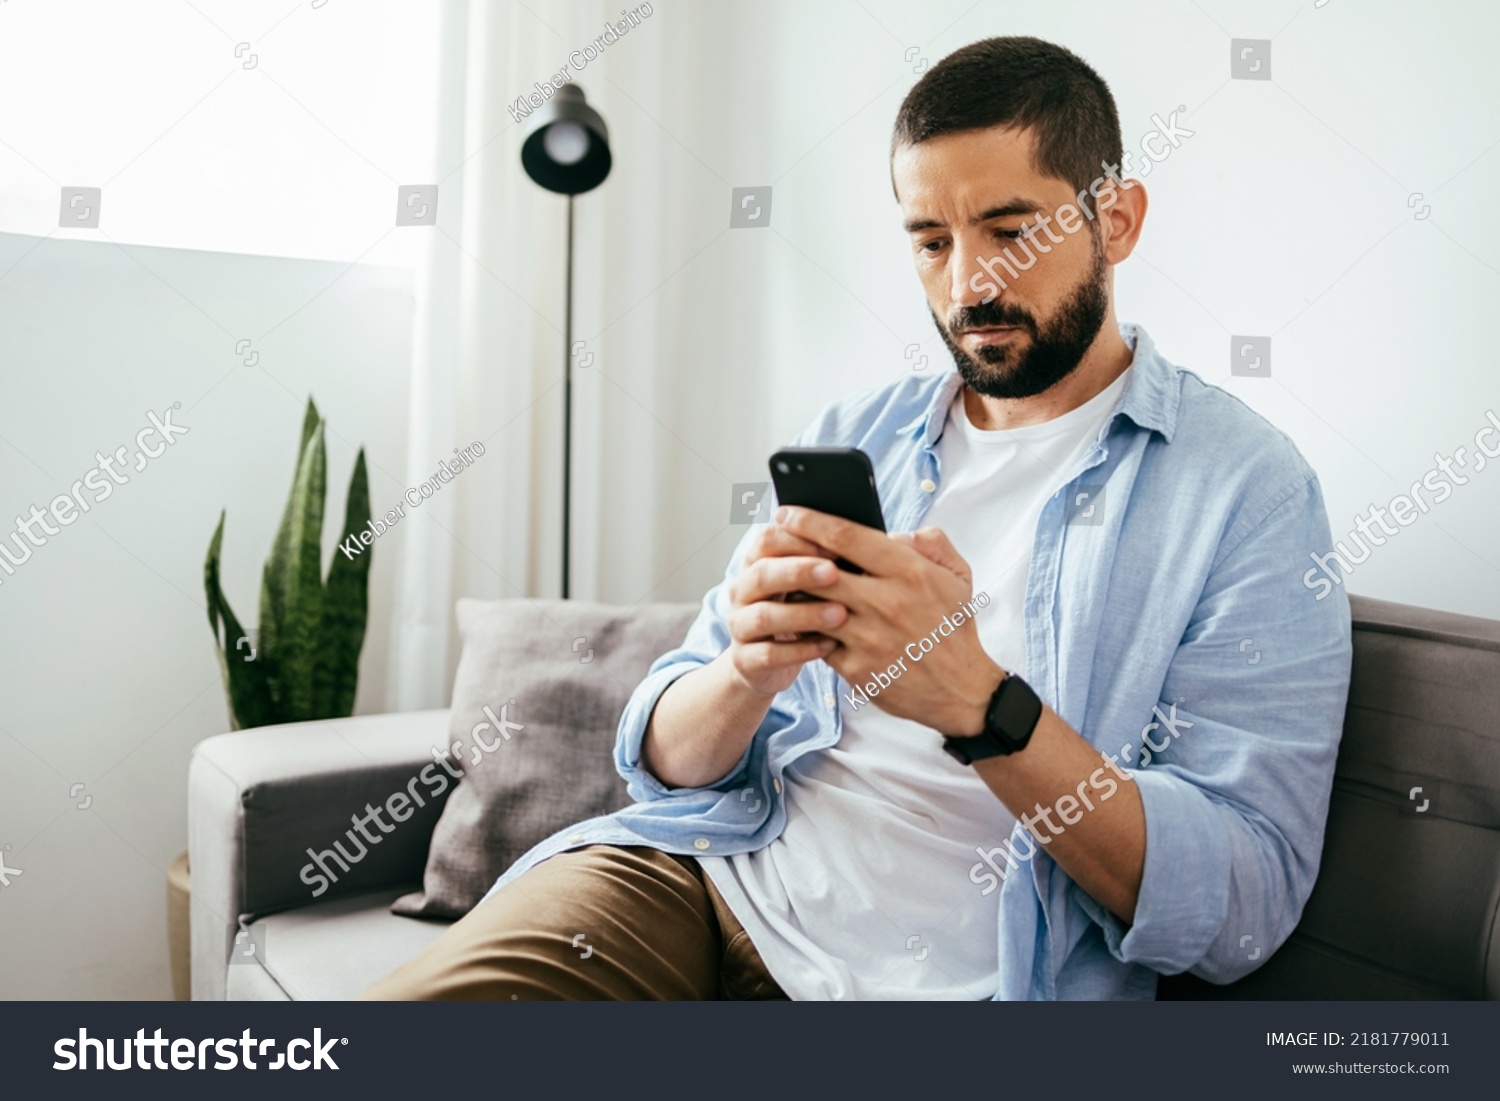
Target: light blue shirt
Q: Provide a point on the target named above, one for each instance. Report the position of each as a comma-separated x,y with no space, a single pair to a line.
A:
1183,590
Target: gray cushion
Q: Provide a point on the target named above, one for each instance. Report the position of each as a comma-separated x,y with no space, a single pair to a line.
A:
570,667
329,951
1406,903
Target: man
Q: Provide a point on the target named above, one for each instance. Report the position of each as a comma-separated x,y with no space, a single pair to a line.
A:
1089,545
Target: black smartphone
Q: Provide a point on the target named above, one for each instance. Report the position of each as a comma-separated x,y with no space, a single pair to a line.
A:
836,480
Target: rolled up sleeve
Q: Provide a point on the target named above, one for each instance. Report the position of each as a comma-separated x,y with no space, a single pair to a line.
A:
706,639
1237,802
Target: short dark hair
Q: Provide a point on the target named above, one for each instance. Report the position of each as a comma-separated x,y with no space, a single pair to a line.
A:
1025,83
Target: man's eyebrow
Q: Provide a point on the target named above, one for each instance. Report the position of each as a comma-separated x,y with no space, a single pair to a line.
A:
1010,210
1005,210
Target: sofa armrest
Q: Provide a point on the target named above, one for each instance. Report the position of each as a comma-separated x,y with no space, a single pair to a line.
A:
263,804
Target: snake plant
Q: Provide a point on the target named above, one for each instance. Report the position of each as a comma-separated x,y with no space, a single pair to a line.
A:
303,663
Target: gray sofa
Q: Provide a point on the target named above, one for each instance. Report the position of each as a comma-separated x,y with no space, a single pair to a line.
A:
1405,906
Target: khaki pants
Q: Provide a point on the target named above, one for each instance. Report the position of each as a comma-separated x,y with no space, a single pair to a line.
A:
625,923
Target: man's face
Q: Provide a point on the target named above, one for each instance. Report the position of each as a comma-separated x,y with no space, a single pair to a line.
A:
967,198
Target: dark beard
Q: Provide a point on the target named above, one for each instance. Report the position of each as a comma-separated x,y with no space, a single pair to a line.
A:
1053,352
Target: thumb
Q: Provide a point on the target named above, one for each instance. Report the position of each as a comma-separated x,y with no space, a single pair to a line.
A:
933,545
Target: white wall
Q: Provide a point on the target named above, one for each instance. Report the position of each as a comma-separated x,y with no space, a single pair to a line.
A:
235,205
107,669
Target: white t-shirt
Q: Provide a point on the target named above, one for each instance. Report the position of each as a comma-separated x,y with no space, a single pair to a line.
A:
866,894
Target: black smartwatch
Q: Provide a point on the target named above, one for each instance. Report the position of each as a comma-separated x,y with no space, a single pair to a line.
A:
1009,720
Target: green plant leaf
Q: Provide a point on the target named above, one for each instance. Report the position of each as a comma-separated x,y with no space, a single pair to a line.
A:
307,661
245,684
345,606
211,579
273,594
297,582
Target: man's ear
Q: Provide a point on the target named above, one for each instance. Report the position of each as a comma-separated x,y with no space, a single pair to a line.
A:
1121,219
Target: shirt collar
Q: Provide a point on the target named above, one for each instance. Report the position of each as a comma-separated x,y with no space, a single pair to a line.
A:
1150,399
1152,393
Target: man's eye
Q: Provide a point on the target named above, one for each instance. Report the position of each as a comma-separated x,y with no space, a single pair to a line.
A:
931,246
1009,234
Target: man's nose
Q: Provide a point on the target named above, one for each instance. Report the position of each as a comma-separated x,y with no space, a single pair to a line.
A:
969,280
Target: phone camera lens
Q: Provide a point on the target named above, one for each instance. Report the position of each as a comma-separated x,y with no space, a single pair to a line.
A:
800,468
782,468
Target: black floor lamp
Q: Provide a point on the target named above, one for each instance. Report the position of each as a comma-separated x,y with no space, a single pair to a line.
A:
566,150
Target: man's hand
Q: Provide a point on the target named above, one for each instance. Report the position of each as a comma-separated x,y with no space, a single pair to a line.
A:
771,640
704,720
910,583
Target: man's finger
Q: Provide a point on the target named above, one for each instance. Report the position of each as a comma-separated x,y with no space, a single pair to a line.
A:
936,547
767,656
769,619
775,541
771,577
870,550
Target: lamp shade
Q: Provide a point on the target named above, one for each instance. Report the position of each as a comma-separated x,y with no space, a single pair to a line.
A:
566,148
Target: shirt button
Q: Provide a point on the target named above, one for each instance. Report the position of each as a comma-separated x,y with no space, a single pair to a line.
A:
701,843
830,700
776,783
575,839
929,486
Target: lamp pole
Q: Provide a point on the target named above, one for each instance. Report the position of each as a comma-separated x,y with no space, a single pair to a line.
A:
567,496
566,151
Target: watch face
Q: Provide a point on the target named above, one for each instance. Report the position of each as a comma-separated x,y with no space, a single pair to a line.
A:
1013,714
1011,717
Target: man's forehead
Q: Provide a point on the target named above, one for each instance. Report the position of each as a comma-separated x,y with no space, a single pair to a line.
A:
973,174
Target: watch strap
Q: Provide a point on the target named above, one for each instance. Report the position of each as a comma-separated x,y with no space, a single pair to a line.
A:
1009,721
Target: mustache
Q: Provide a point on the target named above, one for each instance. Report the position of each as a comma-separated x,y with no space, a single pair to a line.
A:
986,314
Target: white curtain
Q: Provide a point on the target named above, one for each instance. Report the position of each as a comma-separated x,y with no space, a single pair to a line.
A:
669,412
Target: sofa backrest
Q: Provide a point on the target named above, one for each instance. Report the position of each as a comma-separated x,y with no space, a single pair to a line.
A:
1408,892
